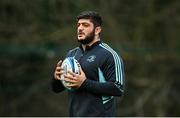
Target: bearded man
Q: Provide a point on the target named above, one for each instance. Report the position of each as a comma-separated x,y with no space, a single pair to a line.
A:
101,77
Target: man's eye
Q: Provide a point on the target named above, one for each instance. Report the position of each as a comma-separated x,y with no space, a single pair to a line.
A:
86,25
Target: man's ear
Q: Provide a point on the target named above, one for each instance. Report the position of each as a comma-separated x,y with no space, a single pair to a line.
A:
97,30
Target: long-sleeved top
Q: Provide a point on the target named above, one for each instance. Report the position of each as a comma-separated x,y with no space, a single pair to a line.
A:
104,71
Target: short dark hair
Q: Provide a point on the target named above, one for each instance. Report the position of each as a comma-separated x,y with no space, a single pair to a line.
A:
92,15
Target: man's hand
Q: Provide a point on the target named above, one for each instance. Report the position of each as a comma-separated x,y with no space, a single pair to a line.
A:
76,80
58,71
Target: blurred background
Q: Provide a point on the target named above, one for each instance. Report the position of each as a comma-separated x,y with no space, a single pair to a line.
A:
35,34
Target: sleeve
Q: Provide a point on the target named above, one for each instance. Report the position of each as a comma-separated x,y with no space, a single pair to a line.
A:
57,86
111,78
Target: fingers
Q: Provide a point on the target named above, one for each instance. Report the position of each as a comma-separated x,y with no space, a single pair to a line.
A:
59,63
71,85
58,68
69,76
58,71
57,78
69,79
72,74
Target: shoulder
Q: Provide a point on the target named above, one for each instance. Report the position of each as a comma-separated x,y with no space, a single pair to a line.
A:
110,54
72,51
108,50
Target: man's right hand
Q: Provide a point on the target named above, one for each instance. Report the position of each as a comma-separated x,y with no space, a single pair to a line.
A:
58,71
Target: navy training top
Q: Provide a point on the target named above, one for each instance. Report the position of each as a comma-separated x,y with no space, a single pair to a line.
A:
104,71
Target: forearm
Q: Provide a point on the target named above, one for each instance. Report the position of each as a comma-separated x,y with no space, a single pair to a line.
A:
105,89
57,86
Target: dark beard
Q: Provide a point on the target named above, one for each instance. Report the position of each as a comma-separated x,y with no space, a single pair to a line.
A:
88,38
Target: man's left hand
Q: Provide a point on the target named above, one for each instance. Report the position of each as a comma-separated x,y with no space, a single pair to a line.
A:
76,80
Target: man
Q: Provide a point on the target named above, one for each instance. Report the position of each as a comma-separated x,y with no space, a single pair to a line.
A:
101,71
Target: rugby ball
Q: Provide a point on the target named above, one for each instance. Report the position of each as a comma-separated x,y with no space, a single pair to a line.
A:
69,64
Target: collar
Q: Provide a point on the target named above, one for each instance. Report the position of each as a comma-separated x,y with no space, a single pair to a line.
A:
90,47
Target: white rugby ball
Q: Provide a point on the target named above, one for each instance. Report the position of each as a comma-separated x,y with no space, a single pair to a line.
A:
69,64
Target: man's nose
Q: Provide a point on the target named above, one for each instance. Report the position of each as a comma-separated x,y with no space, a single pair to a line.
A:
80,28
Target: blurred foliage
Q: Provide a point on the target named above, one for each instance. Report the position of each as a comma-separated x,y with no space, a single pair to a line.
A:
35,34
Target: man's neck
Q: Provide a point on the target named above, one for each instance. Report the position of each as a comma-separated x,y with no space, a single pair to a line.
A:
91,43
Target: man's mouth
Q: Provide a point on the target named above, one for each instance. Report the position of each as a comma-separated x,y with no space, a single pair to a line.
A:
80,34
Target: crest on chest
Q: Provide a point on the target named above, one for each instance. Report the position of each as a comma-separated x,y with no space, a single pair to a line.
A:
91,58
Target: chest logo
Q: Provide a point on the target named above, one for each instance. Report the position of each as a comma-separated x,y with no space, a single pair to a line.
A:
91,58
